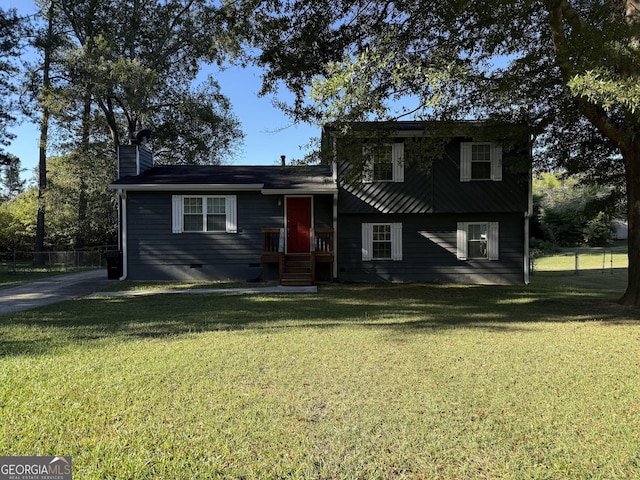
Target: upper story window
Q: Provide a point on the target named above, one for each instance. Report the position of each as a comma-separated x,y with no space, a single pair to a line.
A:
480,161
383,163
215,213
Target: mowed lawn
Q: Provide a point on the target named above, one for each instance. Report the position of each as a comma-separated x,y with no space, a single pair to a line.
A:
355,382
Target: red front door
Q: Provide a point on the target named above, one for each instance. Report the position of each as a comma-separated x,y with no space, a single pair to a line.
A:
298,224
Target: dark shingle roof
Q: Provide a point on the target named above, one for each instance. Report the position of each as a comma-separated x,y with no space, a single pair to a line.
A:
258,177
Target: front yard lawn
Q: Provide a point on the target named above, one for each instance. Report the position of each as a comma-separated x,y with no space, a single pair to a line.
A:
357,381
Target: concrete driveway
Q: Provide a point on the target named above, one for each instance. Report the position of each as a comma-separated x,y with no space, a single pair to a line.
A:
51,290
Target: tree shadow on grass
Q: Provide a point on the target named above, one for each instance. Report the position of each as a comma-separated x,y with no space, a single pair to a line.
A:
401,308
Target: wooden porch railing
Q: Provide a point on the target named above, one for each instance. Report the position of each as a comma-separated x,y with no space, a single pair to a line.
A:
271,243
322,240
321,248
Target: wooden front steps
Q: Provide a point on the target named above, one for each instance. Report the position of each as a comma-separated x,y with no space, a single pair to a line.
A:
297,270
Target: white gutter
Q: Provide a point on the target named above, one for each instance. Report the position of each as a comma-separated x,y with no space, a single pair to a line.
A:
123,197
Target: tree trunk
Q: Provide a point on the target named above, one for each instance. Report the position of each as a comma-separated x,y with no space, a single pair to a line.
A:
44,136
631,157
81,234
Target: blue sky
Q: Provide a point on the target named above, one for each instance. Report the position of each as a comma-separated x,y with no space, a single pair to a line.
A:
269,133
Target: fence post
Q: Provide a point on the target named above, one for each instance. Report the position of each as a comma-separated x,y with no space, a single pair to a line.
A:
611,262
532,264
577,264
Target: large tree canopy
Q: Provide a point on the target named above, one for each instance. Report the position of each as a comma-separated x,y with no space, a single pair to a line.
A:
11,29
570,69
137,62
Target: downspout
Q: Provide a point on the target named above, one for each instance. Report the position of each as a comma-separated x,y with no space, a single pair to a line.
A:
527,220
527,262
335,235
123,232
334,168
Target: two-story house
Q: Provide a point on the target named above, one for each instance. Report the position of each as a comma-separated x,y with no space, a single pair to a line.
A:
408,201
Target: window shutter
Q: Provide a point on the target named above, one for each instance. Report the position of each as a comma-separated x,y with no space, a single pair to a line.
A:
396,241
367,242
496,162
231,210
465,161
462,241
367,164
397,154
177,212
492,241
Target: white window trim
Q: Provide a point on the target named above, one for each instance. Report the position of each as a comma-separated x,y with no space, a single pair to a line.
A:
177,213
493,235
397,159
465,161
367,242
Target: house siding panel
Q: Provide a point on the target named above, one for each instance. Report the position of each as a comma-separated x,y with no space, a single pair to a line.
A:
452,196
127,161
154,252
133,160
429,251
414,195
435,187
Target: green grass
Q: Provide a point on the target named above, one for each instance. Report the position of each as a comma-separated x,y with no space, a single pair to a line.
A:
358,381
604,259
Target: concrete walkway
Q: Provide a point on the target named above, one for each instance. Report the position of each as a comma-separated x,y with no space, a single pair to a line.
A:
210,291
72,285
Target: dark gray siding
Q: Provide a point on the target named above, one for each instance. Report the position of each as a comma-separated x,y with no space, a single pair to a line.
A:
414,195
145,158
133,157
127,160
154,252
433,185
323,211
452,196
429,250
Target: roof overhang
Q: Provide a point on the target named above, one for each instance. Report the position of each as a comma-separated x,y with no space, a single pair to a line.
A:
183,187
311,190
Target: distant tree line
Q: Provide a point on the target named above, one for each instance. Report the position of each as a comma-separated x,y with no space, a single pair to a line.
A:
98,73
571,212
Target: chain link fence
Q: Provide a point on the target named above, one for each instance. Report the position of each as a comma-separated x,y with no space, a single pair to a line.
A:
17,262
605,261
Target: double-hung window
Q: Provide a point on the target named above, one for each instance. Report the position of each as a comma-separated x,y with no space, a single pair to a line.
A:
381,241
216,214
477,240
383,163
480,161
204,213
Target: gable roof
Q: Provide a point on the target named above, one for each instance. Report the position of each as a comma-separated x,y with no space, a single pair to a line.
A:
270,180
